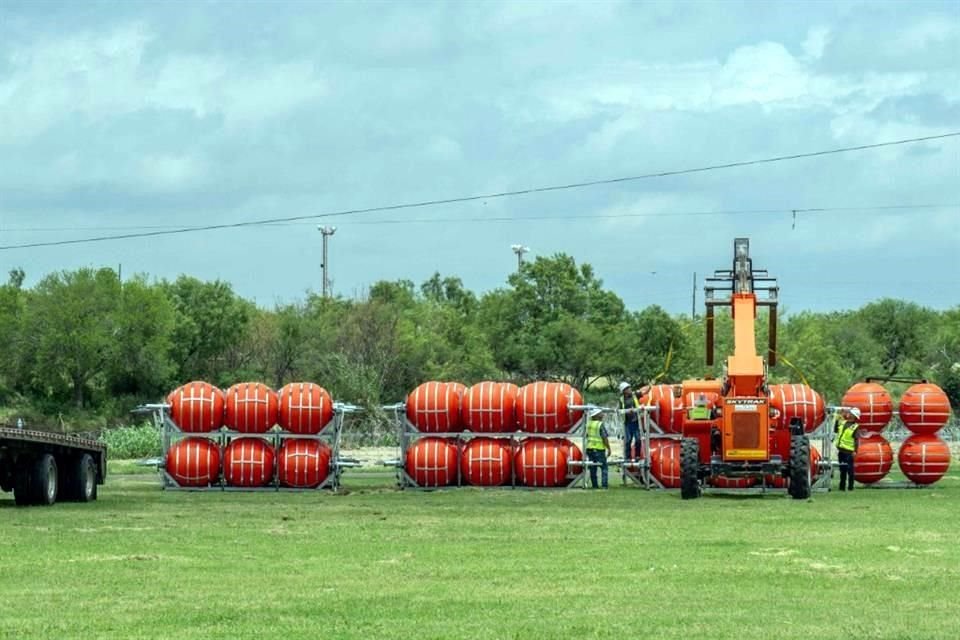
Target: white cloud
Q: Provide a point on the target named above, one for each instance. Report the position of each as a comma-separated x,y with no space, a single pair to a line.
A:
816,42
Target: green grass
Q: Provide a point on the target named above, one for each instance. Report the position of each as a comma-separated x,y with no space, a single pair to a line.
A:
379,563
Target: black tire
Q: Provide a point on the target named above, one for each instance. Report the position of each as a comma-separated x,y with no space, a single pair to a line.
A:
37,482
78,483
689,468
23,493
799,487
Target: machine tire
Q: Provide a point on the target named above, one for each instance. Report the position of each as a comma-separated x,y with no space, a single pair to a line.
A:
799,487
689,468
79,480
23,493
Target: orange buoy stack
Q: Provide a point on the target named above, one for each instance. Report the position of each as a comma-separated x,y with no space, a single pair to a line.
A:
873,459
797,401
665,462
251,407
669,407
544,407
303,463
304,408
432,462
485,462
924,458
924,408
434,407
490,407
194,462
541,462
874,402
248,462
197,407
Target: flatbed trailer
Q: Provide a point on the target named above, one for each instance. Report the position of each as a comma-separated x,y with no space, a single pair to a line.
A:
42,467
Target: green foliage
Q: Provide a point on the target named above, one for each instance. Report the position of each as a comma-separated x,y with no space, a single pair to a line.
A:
134,441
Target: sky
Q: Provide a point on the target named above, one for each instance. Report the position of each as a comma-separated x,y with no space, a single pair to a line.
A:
121,117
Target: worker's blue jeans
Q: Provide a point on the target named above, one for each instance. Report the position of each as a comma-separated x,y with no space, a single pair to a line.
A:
598,455
845,458
631,436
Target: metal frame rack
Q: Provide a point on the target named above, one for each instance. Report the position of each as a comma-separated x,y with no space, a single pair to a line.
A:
330,434
408,433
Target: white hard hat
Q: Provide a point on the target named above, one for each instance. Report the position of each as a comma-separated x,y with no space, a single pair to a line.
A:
624,386
596,411
855,412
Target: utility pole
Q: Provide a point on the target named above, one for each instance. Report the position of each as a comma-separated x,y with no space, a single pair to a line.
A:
693,307
327,232
519,249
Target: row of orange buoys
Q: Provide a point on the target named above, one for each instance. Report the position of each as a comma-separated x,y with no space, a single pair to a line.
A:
249,462
251,407
489,462
924,409
493,407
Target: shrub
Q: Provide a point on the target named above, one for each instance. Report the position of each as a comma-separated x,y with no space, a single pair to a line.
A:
133,441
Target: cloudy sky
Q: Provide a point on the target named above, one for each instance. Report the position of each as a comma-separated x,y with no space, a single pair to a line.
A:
119,117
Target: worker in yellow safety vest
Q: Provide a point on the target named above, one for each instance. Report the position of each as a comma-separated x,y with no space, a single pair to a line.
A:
598,447
846,433
630,407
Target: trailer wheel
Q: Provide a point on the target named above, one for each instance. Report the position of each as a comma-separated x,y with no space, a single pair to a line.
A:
689,468
23,493
799,487
79,480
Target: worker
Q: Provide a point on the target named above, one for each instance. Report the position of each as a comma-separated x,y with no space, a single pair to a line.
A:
630,406
846,429
598,447
700,410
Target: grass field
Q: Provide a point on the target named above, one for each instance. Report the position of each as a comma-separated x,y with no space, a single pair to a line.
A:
374,562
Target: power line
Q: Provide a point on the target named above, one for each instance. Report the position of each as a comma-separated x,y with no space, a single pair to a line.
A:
489,196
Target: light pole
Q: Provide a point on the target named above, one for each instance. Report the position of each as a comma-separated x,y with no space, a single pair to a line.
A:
519,249
327,232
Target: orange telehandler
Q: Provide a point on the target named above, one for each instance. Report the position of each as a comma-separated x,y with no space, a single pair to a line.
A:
730,433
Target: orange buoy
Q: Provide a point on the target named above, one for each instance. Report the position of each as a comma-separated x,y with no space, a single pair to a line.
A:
303,464
735,482
304,407
815,458
434,407
251,407
669,414
490,407
874,402
924,408
432,462
924,458
248,462
196,407
873,459
194,462
543,407
541,462
574,457
796,401
780,482
485,462
665,461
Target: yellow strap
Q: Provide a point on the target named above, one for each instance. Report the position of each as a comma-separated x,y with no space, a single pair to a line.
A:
792,367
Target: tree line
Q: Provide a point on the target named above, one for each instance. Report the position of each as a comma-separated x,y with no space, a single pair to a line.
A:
85,345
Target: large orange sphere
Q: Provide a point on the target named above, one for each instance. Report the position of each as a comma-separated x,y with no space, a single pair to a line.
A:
669,408
485,462
490,407
432,462
543,407
924,408
541,462
574,457
305,408
665,461
923,458
874,402
251,407
724,482
303,464
434,407
248,462
194,462
796,401
196,407
873,459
